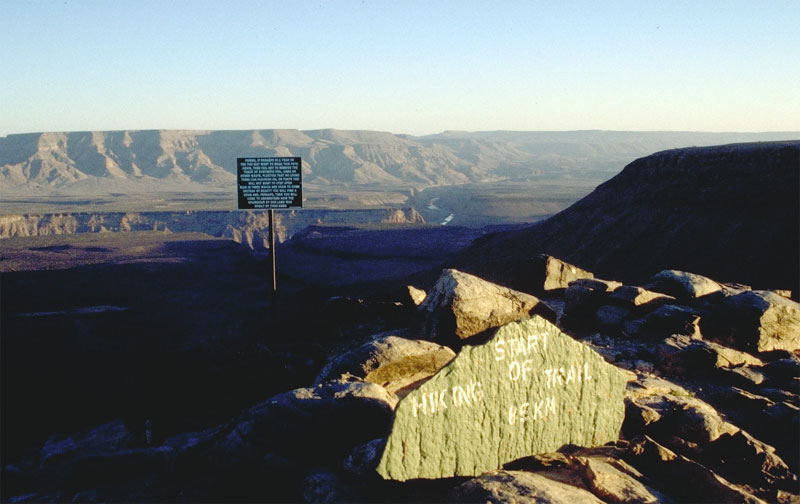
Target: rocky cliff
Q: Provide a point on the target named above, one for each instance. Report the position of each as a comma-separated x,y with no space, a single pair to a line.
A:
250,227
169,160
730,212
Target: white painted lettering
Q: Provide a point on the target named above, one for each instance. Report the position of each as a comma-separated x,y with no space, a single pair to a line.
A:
550,406
499,350
465,397
570,374
523,412
549,373
514,371
477,391
415,405
537,410
526,368
536,343
457,393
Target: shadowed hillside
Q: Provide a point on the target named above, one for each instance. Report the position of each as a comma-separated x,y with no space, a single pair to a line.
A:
730,212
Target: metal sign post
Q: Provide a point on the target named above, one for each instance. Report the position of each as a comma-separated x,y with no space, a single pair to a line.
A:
270,183
272,250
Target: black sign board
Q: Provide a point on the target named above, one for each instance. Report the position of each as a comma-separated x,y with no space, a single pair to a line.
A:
269,183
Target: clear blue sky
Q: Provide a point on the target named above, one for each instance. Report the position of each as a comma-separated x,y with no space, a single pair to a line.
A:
403,66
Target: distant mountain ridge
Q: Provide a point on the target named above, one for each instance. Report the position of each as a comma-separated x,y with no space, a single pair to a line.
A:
730,212
198,160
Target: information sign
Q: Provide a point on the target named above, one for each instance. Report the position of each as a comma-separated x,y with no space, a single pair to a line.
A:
266,183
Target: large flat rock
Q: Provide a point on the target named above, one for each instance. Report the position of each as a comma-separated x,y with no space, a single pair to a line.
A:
529,389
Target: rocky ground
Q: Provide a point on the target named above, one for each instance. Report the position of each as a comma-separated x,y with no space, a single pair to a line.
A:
710,409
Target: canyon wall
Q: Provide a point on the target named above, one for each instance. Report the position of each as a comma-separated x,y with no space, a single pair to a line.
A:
249,227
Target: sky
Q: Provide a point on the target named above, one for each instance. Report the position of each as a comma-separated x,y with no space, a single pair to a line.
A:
413,67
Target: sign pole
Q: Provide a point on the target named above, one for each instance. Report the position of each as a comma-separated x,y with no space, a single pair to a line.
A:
272,250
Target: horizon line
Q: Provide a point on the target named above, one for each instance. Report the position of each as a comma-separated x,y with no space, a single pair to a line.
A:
443,132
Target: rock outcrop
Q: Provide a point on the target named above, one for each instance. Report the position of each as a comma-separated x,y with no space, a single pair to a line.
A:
752,321
248,227
526,414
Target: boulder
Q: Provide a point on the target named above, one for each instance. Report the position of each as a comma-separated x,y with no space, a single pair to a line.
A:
736,398
417,296
784,373
786,413
611,316
682,285
682,355
639,298
744,377
582,299
665,411
364,458
529,389
697,483
757,321
773,422
336,415
390,361
324,486
693,428
586,305
664,322
646,386
461,306
605,480
748,460
598,284
686,417
520,487
778,395
549,273
638,418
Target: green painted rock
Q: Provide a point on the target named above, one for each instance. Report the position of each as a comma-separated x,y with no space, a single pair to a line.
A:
530,389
